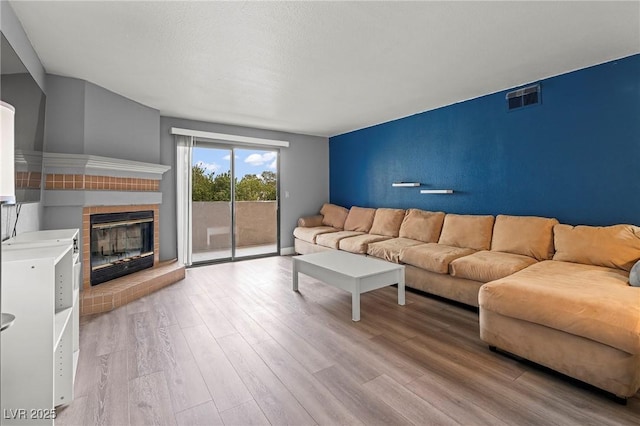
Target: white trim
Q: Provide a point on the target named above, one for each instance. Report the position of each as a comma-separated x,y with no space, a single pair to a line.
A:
226,138
53,160
286,251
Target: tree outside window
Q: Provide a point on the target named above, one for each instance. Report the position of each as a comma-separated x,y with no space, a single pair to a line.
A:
217,187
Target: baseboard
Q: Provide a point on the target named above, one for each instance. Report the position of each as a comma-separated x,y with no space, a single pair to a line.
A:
286,251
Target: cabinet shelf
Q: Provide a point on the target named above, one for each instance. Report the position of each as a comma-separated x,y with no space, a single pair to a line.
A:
405,184
60,323
436,191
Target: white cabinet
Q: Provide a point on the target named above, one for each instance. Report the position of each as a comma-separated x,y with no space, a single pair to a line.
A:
40,283
55,237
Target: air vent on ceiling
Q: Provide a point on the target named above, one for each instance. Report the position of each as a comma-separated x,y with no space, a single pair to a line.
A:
529,95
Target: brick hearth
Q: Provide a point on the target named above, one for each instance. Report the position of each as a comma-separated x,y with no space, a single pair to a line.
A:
118,292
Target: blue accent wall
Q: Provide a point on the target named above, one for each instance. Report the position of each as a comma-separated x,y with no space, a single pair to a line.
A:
575,156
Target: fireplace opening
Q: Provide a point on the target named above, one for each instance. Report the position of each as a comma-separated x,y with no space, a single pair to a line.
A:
121,243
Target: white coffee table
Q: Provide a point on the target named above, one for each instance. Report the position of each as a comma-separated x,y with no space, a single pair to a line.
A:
351,272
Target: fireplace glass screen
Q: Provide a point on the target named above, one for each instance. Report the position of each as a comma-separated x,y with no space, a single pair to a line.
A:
121,243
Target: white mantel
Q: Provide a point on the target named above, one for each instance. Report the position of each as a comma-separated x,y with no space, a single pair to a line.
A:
83,164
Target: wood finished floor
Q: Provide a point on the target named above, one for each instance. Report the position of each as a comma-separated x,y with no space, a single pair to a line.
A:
233,345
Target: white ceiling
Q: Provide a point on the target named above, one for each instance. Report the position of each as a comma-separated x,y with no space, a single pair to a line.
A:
321,68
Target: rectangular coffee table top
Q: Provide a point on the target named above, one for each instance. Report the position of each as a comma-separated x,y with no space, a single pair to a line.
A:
348,264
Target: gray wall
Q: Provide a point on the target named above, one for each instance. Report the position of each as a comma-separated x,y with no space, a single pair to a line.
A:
83,118
63,218
304,174
13,31
31,214
26,97
117,127
64,123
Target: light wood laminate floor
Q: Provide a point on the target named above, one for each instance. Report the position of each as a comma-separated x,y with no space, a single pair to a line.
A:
232,344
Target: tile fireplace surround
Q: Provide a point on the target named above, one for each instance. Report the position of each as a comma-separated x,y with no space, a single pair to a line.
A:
87,185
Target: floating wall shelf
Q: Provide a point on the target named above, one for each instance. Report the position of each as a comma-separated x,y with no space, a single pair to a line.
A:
436,191
405,184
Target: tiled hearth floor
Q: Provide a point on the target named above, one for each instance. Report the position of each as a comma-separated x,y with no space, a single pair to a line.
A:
115,293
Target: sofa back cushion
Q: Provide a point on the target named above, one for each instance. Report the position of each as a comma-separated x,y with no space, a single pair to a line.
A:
470,231
422,225
333,215
387,222
359,219
525,235
616,246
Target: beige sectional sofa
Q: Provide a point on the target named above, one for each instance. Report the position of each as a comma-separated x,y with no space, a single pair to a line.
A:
555,294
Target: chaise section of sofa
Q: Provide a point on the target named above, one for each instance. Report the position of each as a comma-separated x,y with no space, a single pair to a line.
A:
576,314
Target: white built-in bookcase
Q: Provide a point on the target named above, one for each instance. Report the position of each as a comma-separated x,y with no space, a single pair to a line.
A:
40,286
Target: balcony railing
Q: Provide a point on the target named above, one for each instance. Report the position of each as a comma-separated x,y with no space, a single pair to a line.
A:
256,224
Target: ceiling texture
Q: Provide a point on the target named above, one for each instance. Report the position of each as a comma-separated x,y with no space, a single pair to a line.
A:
321,68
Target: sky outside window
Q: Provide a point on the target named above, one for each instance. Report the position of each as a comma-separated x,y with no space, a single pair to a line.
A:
248,161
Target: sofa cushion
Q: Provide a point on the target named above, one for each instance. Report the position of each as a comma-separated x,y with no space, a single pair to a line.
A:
615,246
359,219
309,234
584,300
468,231
634,275
360,243
433,257
390,249
526,235
387,222
422,225
333,215
332,239
485,266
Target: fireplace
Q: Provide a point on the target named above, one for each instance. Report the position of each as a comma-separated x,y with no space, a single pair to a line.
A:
120,243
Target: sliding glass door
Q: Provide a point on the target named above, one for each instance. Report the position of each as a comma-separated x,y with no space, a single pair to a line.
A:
234,202
256,202
211,206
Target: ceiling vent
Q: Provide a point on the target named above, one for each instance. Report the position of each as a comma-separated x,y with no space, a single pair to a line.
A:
526,96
